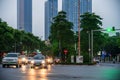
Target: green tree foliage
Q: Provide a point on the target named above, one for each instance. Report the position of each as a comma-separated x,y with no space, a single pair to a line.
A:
14,40
118,39
91,21
6,36
112,46
61,35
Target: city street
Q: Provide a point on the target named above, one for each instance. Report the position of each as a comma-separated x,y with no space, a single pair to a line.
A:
102,71
60,39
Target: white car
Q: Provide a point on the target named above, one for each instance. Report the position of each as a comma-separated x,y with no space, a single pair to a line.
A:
38,61
11,59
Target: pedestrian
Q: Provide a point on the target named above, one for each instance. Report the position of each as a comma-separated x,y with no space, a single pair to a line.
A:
114,61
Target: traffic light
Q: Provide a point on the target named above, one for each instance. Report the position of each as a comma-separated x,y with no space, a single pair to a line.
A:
111,29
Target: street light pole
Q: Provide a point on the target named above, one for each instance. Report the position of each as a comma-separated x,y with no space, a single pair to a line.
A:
78,27
89,49
91,45
15,46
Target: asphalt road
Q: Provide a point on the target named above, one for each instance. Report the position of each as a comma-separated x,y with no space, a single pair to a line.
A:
103,71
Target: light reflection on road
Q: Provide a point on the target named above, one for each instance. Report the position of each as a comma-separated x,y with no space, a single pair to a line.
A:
62,72
110,73
36,73
49,67
23,68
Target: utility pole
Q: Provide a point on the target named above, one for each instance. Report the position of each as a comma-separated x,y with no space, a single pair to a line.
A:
78,27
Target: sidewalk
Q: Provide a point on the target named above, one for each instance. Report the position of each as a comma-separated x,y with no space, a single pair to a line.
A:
110,62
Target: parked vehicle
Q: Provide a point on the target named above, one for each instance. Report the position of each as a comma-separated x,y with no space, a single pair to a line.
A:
38,61
96,60
57,60
12,59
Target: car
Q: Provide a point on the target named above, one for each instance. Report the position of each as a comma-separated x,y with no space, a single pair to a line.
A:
29,59
96,60
24,59
12,59
49,60
38,61
57,60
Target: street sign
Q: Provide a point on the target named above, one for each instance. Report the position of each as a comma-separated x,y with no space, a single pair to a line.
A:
79,59
65,51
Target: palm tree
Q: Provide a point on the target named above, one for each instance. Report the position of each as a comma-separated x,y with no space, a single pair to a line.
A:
91,21
61,35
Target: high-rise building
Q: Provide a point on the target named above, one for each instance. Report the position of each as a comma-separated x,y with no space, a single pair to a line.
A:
24,15
51,10
71,8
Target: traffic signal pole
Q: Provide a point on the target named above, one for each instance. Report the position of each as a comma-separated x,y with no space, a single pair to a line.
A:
92,31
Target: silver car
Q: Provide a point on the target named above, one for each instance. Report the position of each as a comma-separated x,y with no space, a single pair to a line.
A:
11,59
38,61
29,59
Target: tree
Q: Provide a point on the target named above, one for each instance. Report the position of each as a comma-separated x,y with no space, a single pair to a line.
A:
6,36
118,39
13,40
91,21
111,46
61,33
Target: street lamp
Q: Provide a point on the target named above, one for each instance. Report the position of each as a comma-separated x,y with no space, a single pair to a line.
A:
15,46
78,27
89,43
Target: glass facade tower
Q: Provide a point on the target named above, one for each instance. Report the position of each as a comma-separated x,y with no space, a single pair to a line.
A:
51,10
71,8
24,15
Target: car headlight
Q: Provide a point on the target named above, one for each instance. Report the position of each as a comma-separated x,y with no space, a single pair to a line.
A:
32,62
4,60
43,62
23,59
48,60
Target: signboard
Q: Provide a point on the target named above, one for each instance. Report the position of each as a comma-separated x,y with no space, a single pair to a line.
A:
72,59
79,59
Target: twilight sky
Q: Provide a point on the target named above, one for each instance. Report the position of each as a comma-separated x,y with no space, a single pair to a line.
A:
109,10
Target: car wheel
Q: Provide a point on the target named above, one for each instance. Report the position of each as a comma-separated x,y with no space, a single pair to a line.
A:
20,65
7,66
45,67
32,67
17,66
3,65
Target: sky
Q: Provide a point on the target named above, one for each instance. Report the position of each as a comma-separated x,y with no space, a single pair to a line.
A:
109,10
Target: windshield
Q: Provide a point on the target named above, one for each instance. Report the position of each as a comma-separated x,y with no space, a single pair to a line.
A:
22,56
38,57
11,55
